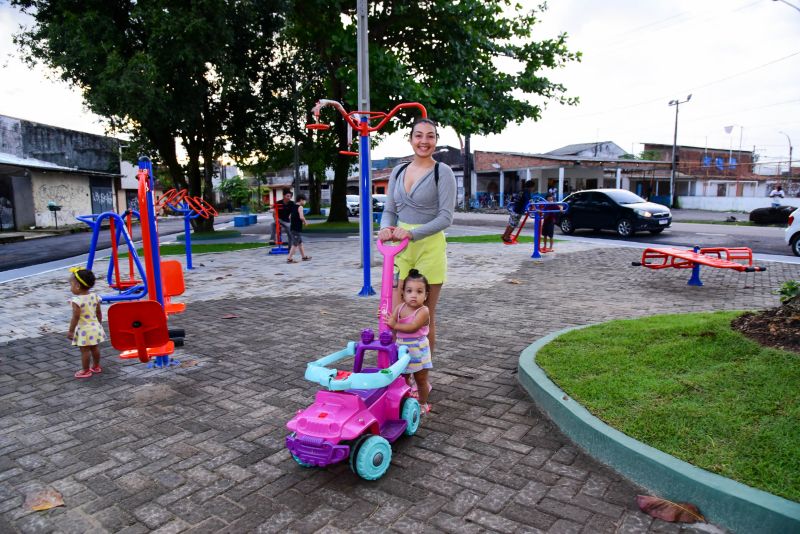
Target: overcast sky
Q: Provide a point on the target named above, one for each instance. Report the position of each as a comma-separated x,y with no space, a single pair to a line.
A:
740,60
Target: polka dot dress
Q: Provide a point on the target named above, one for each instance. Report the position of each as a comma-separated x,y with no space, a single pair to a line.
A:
89,330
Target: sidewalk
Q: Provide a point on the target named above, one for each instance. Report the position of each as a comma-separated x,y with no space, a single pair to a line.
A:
200,448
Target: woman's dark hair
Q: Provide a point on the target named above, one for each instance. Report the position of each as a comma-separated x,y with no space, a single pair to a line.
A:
85,278
425,120
414,274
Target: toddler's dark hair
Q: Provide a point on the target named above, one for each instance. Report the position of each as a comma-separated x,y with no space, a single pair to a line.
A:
85,278
300,197
414,274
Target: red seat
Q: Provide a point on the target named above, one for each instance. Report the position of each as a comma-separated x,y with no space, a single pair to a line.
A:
140,329
172,285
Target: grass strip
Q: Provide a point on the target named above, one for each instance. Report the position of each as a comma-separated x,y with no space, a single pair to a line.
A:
200,248
335,228
692,387
485,238
217,234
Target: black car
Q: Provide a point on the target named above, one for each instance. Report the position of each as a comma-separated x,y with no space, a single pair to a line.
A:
779,215
613,209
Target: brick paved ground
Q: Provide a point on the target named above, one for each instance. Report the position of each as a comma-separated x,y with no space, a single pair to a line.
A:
200,448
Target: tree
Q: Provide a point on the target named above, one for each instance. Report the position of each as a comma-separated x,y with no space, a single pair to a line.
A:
236,189
161,70
441,53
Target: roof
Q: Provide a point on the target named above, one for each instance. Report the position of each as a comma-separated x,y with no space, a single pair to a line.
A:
32,163
573,150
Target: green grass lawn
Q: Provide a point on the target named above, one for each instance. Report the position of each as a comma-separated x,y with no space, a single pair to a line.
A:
692,387
337,227
485,238
218,234
200,248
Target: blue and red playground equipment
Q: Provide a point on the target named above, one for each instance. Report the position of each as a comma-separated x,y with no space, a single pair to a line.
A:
736,258
538,206
359,121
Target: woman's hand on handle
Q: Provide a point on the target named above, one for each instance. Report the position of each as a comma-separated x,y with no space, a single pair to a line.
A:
401,233
385,234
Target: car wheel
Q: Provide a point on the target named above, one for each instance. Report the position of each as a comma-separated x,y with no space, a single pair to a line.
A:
410,414
796,245
656,231
624,228
566,225
373,458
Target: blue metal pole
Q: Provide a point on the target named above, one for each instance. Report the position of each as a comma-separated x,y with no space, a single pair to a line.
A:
695,279
537,230
366,211
187,230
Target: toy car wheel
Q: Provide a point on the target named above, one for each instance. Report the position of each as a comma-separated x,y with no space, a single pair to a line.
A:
373,458
410,414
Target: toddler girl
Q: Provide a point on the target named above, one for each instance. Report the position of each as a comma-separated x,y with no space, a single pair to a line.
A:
85,329
410,322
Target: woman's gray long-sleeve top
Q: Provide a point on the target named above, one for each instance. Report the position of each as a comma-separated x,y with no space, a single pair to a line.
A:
426,204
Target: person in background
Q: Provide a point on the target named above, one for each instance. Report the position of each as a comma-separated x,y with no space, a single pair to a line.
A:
285,208
776,195
297,221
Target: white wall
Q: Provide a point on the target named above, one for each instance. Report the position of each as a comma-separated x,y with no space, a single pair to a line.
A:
741,204
71,192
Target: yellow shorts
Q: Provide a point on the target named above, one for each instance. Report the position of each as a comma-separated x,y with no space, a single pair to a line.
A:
428,256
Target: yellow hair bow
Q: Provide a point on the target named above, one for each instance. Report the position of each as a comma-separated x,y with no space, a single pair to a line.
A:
74,271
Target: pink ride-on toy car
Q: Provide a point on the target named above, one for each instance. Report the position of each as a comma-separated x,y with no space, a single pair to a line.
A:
363,411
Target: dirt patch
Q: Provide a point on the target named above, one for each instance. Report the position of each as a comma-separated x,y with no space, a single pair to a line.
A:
777,327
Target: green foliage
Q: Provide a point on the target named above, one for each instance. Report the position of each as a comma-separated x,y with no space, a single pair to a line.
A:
692,387
650,155
440,53
789,290
236,188
161,70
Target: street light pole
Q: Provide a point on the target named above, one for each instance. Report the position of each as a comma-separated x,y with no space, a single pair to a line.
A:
676,103
789,180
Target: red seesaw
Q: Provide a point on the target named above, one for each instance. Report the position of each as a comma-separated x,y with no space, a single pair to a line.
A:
736,258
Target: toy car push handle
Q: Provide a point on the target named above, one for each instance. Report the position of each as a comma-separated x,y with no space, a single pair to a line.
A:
389,252
317,371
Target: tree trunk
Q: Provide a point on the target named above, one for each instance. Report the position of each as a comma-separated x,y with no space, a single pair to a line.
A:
341,170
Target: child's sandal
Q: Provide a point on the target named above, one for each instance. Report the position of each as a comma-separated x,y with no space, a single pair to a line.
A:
291,260
83,374
96,370
306,258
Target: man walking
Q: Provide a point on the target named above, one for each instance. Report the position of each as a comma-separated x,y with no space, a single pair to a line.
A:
284,208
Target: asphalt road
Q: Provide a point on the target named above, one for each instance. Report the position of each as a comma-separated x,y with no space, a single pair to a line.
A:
57,247
761,239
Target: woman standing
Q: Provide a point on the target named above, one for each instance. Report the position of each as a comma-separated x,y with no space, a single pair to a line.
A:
419,205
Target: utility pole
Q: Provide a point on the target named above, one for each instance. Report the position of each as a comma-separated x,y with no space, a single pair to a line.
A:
676,103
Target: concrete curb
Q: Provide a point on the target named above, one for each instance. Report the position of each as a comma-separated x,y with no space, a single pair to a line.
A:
722,501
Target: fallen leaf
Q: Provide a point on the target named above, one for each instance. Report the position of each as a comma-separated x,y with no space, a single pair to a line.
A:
44,499
669,511
189,363
230,316
514,281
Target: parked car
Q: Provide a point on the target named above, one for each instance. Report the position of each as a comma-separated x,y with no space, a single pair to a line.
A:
779,215
378,202
353,205
793,232
613,209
